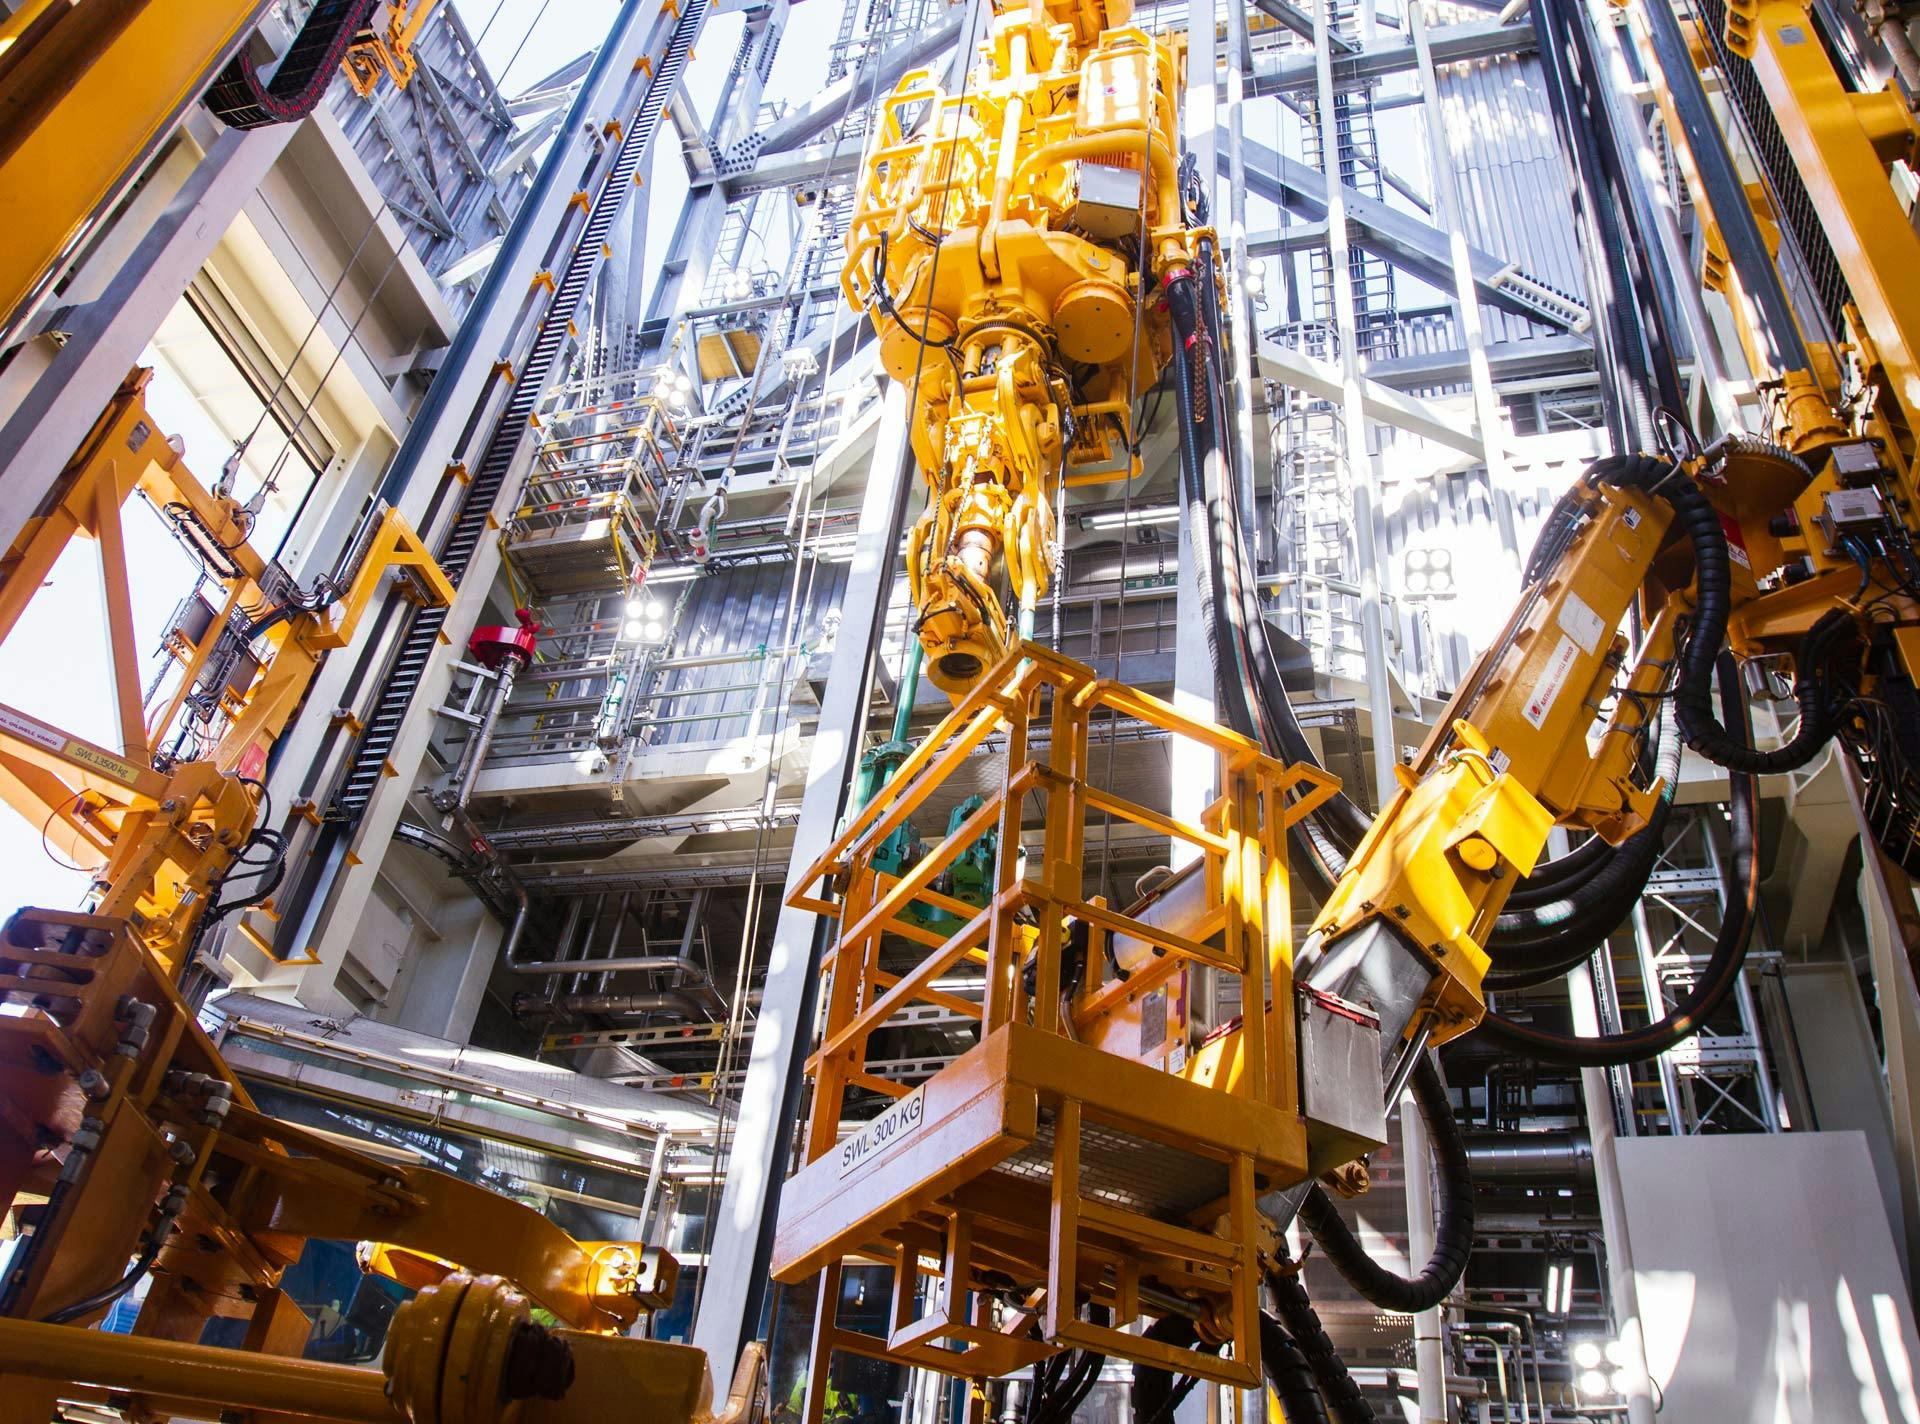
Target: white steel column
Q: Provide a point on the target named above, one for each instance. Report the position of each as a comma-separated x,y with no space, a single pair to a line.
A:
1193,685
1893,924
1373,632
753,1163
1447,213
1429,1347
1623,1290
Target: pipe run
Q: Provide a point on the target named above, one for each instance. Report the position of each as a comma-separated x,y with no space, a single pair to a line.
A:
1562,1158
170,1372
670,1001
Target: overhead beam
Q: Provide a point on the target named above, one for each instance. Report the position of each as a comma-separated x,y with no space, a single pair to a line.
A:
827,107
817,164
1292,72
1509,361
1301,23
1408,242
1380,403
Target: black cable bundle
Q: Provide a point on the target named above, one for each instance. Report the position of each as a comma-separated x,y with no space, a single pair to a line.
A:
1700,522
1337,1386
1061,1383
1155,1394
1453,1231
1722,972
1250,694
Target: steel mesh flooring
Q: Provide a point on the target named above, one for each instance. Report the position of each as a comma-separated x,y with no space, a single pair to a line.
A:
1134,1173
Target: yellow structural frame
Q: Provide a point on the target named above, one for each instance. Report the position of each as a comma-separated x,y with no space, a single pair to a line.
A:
87,94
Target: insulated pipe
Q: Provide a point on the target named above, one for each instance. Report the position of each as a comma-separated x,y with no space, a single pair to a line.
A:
476,754
1560,1157
635,963
605,979
676,1001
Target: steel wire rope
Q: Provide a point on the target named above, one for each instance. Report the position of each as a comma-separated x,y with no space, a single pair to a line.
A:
269,406
723,1135
312,401
507,69
498,6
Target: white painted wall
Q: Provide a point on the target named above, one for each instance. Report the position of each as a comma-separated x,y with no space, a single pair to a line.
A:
1768,1281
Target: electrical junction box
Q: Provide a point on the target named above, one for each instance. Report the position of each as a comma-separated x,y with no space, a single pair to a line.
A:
1106,200
1855,463
1852,507
1342,1088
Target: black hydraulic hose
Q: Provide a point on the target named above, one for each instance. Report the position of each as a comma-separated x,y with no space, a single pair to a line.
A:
1700,522
1344,1400
1250,695
1155,1394
1453,1231
1566,929
1634,355
1289,1375
1722,971
107,1295
1578,866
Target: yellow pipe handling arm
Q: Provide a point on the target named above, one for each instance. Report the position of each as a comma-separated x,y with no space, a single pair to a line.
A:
1799,550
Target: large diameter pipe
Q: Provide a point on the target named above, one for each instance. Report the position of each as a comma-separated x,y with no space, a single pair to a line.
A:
642,963
677,1001
201,1374
1563,1158
473,756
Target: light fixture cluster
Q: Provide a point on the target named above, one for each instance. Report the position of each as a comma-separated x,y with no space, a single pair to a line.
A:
1603,1369
1558,1298
1255,282
674,387
645,620
1429,573
1137,517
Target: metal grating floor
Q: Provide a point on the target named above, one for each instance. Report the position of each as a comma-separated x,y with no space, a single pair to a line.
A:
1134,1173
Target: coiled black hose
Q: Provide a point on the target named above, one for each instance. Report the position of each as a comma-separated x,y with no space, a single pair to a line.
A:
1453,1231
1155,1394
1722,971
1550,938
1699,521
1337,1387
1289,1375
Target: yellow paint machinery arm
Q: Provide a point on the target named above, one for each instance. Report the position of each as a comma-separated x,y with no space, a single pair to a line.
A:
1507,761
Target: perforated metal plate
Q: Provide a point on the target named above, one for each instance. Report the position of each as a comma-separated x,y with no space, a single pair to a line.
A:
1135,1173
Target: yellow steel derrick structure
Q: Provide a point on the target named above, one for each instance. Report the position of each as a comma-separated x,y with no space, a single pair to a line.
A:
161,833
1001,240
124,1135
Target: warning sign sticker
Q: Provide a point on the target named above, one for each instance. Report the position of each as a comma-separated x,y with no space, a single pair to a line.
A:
1553,680
28,730
1578,620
